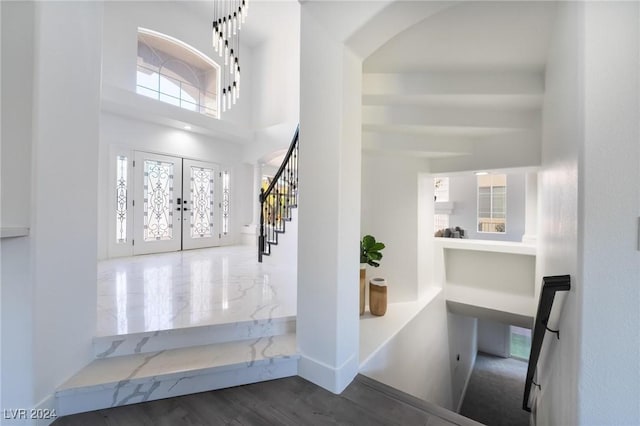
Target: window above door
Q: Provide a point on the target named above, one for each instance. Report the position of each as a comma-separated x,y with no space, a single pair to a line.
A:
174,72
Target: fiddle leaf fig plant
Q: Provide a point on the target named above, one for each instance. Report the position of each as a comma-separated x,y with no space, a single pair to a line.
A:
370,251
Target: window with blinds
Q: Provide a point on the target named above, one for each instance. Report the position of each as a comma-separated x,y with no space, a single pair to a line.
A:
492,203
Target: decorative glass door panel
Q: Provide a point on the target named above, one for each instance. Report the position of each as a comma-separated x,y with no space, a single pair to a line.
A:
158,201
157,204
201,208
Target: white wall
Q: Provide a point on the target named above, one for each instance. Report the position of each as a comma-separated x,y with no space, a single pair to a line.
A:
608,226
494,338
244,194
276,88
329,206
390,194
0,206
557,402
51,282
17,105
16,320
422,358
463,348
463,191
588,230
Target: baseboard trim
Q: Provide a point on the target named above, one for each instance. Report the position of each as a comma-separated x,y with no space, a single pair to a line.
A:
333,379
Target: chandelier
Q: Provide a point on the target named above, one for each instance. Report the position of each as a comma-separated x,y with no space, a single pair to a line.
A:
228,17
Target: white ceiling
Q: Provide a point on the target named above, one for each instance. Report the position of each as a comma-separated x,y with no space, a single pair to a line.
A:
265,19
462,86
472,36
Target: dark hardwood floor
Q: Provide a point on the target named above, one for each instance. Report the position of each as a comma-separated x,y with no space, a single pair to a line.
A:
289,401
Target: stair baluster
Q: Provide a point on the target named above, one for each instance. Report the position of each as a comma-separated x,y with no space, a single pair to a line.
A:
277,201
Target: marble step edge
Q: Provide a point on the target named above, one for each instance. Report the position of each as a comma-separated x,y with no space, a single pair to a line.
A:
178,364
240,363
154,341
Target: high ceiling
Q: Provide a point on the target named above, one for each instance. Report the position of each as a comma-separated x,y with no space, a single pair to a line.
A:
472,36
463,87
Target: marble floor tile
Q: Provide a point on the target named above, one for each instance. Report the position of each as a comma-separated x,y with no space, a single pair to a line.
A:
191,288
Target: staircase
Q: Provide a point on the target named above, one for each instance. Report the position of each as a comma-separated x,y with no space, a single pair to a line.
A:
147,366
278,200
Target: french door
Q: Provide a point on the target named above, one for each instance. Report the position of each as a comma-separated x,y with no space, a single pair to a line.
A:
174,204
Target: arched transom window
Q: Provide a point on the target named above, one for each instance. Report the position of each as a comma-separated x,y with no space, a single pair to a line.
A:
176,73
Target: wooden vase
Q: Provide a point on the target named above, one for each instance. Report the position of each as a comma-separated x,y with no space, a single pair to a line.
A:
363,274
378,296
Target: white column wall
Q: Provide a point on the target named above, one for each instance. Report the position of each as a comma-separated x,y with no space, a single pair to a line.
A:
16,285
64,200
0,207
329,207
610,206
588,216
558,218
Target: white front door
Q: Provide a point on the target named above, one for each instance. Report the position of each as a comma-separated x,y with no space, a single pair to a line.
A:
201,209
175,204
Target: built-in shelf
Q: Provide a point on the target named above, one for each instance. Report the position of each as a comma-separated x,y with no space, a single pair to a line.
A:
485,277
509,247
12,232
376,331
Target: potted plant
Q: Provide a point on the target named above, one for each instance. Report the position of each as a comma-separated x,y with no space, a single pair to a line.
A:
370,251
370,254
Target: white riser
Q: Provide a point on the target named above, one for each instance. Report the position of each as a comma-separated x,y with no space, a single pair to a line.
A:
116,381
137,343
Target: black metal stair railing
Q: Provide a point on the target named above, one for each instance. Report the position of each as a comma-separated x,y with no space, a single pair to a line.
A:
550,286
278,200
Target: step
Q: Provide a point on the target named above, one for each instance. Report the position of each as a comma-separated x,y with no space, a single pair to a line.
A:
446,416
129,379
154,341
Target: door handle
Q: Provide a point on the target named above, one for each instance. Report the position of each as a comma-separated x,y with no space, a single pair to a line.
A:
185,209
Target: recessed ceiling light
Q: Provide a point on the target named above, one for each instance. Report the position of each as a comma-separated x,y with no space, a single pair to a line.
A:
481,173
187,127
